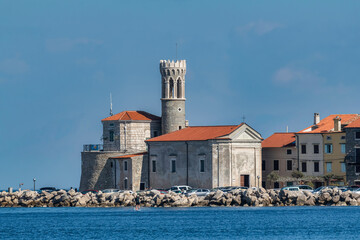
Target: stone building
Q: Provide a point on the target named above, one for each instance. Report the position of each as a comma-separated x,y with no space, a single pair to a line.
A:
353,152
206,157
141,150
279,155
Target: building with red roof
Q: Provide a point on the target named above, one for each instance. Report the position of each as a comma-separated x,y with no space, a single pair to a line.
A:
279,155
140,150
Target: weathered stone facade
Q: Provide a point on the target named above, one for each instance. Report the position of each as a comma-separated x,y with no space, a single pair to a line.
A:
226,161
233,160
352,156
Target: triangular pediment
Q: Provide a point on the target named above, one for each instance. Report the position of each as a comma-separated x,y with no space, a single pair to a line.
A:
243,133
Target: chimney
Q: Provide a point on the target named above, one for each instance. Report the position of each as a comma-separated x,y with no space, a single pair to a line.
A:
337,124
316,118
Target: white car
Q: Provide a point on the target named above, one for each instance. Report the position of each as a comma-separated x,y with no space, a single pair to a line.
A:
111,190
198,192
357,191
182,188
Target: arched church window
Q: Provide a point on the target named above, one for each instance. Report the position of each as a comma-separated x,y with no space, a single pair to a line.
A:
172,90
173,71
179,88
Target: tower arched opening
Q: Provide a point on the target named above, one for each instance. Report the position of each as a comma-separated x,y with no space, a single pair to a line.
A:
172,88
179,88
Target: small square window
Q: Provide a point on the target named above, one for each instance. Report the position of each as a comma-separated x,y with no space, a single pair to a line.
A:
288,151
343,137
328,138
357,135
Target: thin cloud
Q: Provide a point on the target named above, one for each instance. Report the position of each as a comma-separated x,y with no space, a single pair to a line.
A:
66,44
288,75
13,66
259,27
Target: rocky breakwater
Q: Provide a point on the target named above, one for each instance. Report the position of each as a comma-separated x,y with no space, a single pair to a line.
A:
153,198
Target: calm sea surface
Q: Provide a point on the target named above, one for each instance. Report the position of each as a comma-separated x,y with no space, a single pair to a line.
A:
181,223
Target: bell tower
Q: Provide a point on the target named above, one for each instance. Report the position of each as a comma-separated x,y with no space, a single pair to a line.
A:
172,95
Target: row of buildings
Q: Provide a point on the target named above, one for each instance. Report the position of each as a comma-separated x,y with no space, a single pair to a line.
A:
328,152
141,150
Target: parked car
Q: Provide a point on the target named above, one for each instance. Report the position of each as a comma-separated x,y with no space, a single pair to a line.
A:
198,192
49,189
291,188
182,188
89,190
357,191
111,190
126,191
305,188
323,187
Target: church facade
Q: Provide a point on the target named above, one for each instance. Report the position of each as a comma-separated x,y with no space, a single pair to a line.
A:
141,150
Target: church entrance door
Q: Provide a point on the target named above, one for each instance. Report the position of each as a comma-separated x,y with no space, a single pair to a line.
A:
244,181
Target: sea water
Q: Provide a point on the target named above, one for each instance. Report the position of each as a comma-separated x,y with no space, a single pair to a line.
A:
181,223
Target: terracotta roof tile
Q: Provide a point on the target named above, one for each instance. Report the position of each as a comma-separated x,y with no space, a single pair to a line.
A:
327,124
354,124
129,155
132,115
200,133
279,140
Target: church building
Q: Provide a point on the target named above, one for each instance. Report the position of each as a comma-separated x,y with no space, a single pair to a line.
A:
141,150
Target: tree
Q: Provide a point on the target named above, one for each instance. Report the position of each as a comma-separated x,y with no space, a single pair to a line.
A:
273,177
297,174
328,177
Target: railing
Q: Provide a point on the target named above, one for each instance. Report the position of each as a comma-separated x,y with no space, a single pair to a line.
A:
93,147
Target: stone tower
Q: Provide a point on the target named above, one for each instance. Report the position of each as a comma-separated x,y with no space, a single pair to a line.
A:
172,95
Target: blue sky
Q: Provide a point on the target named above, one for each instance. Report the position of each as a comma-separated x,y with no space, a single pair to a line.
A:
276,62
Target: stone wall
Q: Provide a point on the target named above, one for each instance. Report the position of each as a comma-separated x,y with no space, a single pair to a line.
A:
351,145
96,170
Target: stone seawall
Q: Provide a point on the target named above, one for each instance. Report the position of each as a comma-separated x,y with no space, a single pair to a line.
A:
153,198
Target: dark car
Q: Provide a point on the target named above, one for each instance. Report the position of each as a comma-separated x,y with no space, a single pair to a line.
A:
49,189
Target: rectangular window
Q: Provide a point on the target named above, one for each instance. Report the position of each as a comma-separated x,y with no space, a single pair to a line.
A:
328,138
125,165
316,148
111,136
288,151
173,165
289,165
153,165
276,164
328,167
343,148
343,167
328,148
263,165
357,135
303,148
343,137
357,160
316,167
202,165
303,167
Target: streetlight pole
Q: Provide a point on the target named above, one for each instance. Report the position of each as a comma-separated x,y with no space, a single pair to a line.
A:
258,177
34,183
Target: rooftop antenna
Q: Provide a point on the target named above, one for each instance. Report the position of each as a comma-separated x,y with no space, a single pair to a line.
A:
176,52
243,118
111,112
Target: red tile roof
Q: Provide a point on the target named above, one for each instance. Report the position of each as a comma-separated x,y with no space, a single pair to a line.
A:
200,133
354,124
279,140
327,124
132,115
129,155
